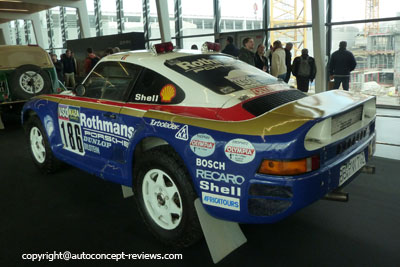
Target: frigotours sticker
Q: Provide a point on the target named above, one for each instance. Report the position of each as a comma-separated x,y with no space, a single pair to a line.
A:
240,151
203,145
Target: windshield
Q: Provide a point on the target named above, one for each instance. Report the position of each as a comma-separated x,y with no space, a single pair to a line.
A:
222,74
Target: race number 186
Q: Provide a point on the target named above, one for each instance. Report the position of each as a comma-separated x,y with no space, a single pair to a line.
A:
71,136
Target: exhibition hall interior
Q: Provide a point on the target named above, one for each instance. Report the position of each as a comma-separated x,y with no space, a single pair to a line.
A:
200,133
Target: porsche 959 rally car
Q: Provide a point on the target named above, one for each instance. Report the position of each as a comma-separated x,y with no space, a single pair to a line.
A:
180,125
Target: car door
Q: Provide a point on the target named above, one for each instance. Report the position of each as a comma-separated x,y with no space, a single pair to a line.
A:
93,135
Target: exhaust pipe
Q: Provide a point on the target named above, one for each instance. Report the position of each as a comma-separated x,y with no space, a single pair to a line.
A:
337,196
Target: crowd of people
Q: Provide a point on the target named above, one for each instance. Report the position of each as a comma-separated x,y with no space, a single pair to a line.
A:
67,67
278,62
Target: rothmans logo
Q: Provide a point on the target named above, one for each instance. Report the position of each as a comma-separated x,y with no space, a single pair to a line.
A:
98,124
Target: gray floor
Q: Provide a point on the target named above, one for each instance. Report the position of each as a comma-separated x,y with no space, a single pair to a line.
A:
388,133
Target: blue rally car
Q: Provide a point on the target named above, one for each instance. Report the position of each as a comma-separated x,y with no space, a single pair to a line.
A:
180,125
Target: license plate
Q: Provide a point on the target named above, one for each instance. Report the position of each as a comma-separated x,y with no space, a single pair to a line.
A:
351,167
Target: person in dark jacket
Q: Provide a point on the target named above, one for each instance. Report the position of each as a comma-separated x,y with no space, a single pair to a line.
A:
288,60
304,69
69,69
246,52
341,64
260,60
59,67
230,48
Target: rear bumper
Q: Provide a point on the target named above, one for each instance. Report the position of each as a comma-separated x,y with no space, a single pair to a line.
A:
268,199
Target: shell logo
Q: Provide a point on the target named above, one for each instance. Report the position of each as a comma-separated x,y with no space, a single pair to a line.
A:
168,92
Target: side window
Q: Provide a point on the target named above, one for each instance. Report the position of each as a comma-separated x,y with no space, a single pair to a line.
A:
111,80
155,88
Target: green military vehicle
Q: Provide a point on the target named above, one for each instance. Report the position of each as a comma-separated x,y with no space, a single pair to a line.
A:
25,71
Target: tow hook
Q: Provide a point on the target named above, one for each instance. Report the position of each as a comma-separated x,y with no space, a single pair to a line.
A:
370,169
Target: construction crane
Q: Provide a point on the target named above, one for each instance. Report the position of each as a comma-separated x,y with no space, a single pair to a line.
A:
286,13
371,12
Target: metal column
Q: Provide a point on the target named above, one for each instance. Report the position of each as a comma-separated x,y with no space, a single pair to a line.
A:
37,28
163,20
178,23
146,24
17,33
217,13
5,38
97,18
120,16
64,32
27,31
318,27
328,36
50,31
83,20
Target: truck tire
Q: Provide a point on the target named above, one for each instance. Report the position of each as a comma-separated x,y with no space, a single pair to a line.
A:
165,196
29,80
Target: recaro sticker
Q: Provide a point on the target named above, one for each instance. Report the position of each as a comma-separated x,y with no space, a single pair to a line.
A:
240,151
203,145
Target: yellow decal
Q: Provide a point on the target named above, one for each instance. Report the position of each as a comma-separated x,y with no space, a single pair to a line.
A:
168,92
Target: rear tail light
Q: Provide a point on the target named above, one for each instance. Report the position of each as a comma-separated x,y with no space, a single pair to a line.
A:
162,48
292,167
209,46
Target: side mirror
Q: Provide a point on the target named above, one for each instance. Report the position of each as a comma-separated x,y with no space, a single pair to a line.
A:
80,90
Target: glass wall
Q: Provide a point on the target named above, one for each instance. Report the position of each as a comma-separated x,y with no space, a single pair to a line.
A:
109,17
239,15
133,15
154,27
197,19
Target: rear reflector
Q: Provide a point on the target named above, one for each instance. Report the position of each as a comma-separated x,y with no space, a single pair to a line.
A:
293,167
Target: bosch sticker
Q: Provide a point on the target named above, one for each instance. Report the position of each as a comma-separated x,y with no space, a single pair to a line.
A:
240,151
167,93
203,145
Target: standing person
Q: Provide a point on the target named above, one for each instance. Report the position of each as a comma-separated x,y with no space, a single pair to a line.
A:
341,64
268,54
246,52
288,61
260,60
304,69
90,61
230,48
59,67
278,65
69,69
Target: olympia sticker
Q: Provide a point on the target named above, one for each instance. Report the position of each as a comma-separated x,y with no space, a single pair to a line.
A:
240,151
203,145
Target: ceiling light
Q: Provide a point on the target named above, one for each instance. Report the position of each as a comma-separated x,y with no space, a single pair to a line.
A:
14,10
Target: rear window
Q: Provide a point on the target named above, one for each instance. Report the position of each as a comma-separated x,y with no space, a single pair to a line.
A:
222,74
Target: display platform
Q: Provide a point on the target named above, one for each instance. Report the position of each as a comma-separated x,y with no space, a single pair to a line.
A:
74,211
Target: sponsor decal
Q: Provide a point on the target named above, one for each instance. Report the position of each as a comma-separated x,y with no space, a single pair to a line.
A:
70,129
183,133
224,202
203,145
220,176
199,65
114,128
210,186
211,164
261,90
144,98
124,57
167,93
164,124
240,151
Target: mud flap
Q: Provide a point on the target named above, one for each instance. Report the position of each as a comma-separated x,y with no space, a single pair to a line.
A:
222,237
126,191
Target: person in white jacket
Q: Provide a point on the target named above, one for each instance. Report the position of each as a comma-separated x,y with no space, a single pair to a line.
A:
278,64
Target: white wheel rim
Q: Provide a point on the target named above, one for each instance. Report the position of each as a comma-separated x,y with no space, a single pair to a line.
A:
37,145
31,82
162,199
